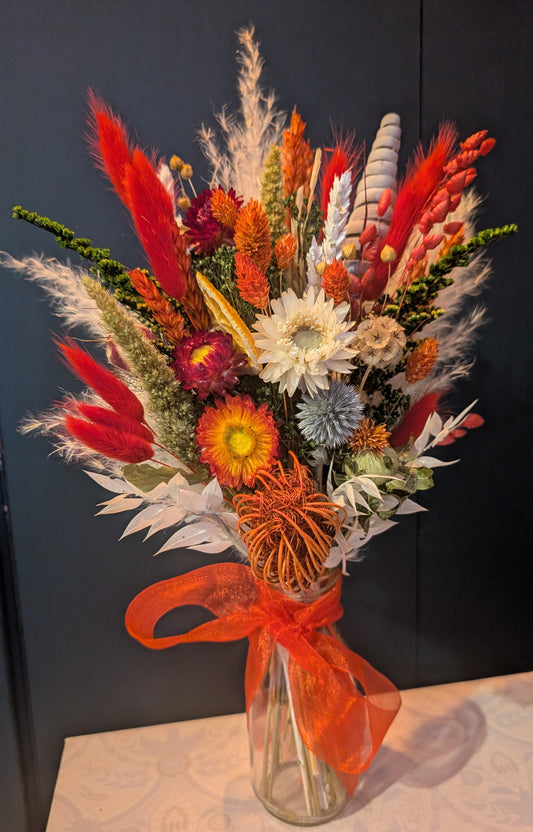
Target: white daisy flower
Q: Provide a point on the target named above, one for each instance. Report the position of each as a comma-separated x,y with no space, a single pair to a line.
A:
304,340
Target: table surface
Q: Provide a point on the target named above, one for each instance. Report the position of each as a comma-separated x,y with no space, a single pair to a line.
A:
458,757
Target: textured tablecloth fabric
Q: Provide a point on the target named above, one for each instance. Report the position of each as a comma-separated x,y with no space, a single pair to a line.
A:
458,757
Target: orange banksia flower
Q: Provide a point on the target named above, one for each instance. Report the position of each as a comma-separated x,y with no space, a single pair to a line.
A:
336,281
422,360
252,283
298,157
369,437
164,313
224,207
252,234
237,439
288,527
285,250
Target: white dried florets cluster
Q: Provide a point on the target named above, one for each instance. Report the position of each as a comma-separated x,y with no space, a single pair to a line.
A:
380,342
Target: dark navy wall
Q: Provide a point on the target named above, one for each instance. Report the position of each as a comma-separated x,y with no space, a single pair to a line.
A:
443,596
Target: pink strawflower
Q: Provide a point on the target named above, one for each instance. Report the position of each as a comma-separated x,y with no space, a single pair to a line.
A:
208,363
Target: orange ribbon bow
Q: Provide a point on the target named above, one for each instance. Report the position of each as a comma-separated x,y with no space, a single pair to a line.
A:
343,707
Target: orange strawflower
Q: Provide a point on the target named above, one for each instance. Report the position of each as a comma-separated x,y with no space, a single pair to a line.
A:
237,439
298,157
224,208
252,283
288,527
285,250
336,281
422,360
164,313
252,234
369,437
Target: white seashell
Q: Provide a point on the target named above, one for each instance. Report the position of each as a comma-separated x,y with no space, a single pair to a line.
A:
379,174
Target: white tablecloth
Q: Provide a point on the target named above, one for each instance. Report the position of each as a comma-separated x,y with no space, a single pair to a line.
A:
458,757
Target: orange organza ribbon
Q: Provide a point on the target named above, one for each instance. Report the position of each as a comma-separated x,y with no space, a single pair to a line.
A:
337,722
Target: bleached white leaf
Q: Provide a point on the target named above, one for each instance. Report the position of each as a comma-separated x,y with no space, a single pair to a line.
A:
370,487
188,536
170,516
143,519
410,507
431,462
213,547
115,484
126,504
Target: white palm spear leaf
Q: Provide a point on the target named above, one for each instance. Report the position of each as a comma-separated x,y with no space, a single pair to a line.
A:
379,174
248,138
337,217
334,228
63,285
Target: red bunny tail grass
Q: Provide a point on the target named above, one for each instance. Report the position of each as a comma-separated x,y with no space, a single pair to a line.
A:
110,418
344,156
108,441
153,214
110,388
110,145
423,178
414,420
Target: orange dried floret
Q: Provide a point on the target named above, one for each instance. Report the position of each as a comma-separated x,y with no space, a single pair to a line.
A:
369,437
336,281
298,157
224,208
285,250
252,234
252,283
422,360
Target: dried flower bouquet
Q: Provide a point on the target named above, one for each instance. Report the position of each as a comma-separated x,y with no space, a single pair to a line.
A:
275,378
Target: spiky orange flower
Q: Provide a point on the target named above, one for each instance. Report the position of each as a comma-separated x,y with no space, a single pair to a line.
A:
369,437
285,250
164,313
224,207
252,283
422,360
288,527
336,281
297,157
237,440
252,234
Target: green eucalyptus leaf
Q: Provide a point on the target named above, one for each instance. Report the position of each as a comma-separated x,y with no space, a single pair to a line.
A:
424,479
146,477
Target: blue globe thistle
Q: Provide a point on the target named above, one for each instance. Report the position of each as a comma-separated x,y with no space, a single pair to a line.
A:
330,416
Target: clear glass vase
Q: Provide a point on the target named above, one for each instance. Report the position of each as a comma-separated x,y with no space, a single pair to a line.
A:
289,780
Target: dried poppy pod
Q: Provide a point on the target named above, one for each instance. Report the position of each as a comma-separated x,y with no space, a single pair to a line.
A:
288,527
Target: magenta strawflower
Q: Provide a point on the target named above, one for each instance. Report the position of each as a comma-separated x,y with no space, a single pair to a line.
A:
208,363
204,232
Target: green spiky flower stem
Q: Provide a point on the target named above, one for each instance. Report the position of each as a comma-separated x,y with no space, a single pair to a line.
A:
109,272
172,407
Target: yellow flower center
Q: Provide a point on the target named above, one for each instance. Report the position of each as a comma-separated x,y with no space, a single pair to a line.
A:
307,338
198,355
240,441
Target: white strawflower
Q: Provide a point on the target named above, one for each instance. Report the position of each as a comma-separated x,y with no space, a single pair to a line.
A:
304,340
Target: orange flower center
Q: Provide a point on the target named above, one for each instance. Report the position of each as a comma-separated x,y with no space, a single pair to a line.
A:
197,356
240,441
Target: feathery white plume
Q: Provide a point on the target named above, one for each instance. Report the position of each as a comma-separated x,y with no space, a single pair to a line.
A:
63,285
248,138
